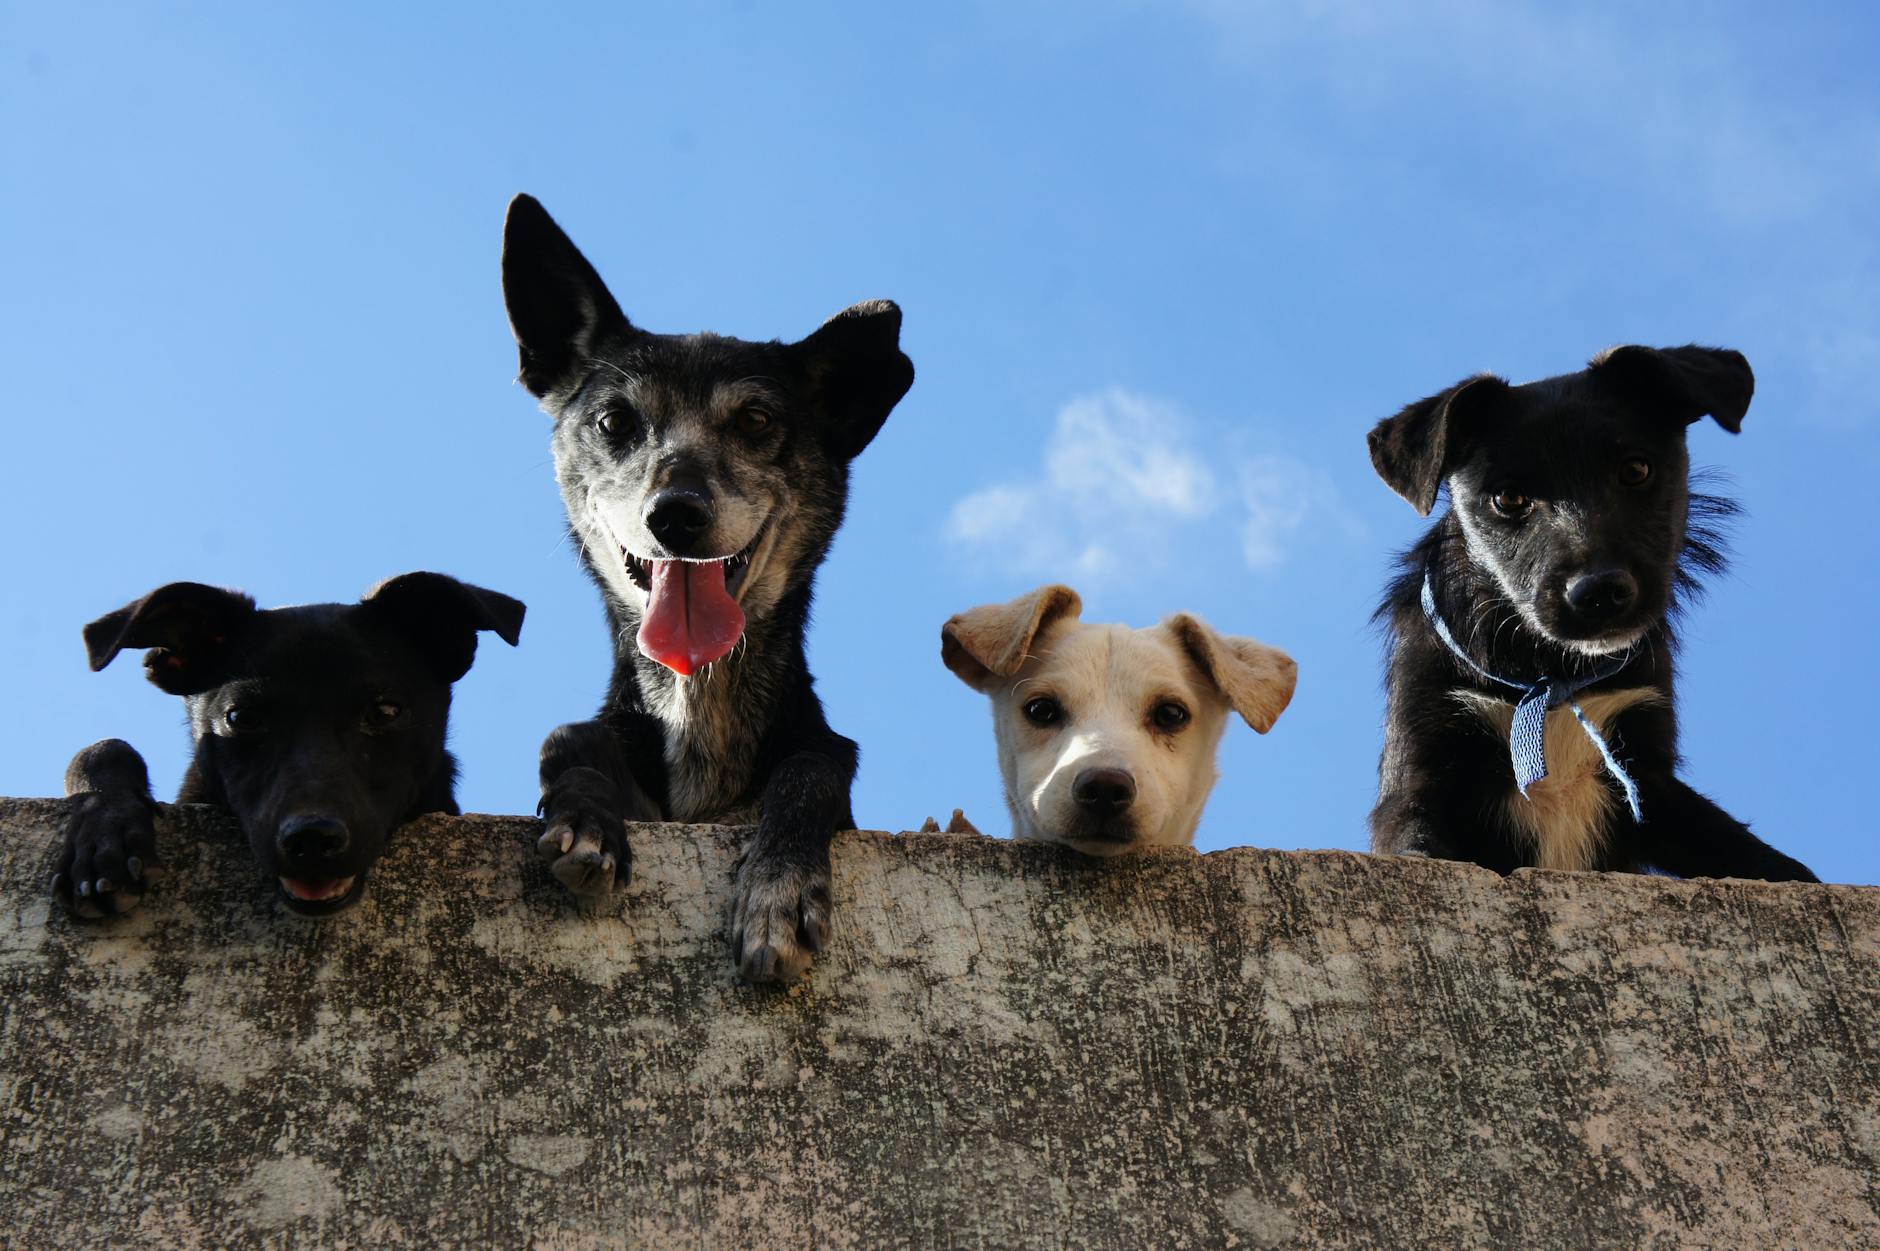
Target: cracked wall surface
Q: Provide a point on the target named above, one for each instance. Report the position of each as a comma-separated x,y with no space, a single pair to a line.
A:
1006,1047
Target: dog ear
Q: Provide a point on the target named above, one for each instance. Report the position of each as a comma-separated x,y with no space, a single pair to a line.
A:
986,644
559,309
857,372
1257,680
444,615
1411,450
1686,382
187,627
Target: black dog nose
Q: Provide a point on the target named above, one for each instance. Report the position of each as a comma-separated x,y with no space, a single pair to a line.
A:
305,838
678,518
1602,595
1104,790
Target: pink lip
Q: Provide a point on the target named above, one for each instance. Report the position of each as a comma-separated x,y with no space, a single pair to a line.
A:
311,890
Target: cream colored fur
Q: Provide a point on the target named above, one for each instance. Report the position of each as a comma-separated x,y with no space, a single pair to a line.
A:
1110,679
1565,813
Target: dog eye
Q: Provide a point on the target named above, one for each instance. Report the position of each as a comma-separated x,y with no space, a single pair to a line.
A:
1512,504
383,714
1169,715
241,720
1044,711
753,422
615,423
1635,472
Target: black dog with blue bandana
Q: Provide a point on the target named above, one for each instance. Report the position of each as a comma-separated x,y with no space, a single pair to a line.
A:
1531,716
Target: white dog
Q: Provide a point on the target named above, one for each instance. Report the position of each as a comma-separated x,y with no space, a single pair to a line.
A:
1107,734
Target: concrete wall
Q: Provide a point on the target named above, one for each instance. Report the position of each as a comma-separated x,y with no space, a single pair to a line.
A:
1006,1048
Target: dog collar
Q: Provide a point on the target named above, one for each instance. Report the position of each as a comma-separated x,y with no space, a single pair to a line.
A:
1527,737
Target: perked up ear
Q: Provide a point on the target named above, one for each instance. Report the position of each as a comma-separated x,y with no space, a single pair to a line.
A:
187,627
1411,450
985,645
857,372
559,309
443,616
1257,680
1685,382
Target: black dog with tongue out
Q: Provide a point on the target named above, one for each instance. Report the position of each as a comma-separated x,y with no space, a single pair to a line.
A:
320,727
704,479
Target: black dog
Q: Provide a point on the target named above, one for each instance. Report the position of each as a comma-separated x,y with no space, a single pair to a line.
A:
321,728
704,479
1531,718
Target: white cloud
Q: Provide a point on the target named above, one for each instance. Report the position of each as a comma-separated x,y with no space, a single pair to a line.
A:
1127,487
1278,497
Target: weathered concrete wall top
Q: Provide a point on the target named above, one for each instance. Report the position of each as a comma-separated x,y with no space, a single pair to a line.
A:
1006,1047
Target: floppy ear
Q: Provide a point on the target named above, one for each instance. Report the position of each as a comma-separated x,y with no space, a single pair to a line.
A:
1411,450
559,309
1686,382
857,372
443,616
1256,679
187,627
986,644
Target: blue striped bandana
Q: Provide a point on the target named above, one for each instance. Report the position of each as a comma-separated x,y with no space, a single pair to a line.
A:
1527,737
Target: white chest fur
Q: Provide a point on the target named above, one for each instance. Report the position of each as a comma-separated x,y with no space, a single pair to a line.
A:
1565,813
709,747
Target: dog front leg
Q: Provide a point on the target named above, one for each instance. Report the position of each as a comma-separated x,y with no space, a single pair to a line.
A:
589,793
780,908
1401,826
1687,834
108,855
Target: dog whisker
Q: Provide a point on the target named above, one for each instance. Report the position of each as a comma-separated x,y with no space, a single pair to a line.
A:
594,362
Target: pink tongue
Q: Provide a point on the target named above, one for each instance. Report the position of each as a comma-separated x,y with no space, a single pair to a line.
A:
690,620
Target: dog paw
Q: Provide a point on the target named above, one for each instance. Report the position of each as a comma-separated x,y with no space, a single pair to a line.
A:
780,915
108,857
584,837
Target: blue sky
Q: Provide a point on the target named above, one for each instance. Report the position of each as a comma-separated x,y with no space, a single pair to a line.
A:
1162,265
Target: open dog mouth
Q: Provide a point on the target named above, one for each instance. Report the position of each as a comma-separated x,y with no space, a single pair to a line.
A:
736,567
312,896
693,611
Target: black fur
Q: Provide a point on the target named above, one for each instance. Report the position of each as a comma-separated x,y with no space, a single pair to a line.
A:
639,416
321,728
1568,446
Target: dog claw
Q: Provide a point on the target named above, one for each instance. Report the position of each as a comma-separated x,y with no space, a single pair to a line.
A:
555,842
780,922
136,868
585,869
104,886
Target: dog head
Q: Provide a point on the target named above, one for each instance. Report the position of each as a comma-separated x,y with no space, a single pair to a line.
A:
705,476
1571,492
319,726
1106,734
